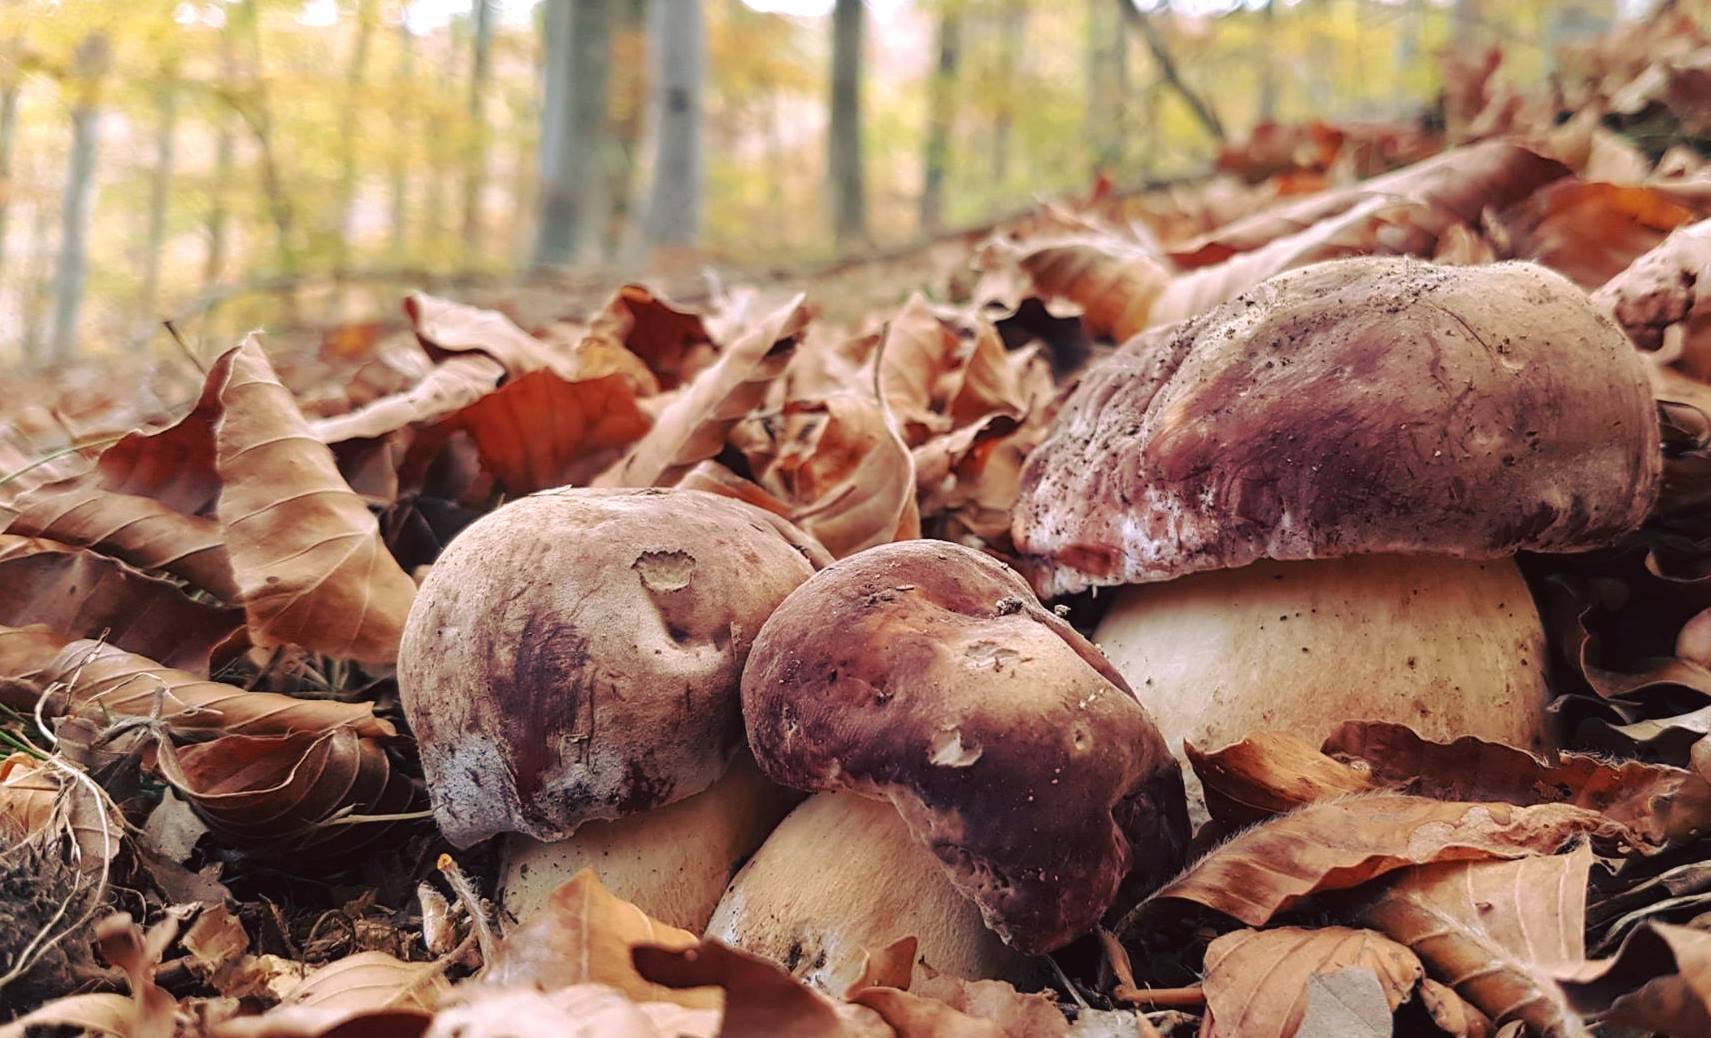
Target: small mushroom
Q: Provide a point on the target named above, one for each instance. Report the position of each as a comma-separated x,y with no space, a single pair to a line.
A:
1330,475
926,676
571,665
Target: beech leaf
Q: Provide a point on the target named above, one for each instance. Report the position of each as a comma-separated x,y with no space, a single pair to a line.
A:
1257,980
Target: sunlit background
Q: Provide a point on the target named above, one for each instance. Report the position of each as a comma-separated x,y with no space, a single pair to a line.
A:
214,163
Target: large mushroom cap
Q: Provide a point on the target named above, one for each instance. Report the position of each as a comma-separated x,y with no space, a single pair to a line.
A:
1359,406
927,674
576,654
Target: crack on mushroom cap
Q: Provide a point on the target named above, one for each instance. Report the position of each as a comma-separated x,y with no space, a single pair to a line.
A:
1031,782
1353,407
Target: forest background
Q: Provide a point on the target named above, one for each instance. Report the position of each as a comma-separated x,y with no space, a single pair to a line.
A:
223,164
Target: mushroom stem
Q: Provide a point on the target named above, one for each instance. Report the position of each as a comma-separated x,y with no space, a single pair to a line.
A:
672,862
840,877
1446,646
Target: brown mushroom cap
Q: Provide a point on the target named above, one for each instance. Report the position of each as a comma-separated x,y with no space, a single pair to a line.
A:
1354,407
575,654
927,674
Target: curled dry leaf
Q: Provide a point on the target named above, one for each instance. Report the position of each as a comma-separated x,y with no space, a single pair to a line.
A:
1114,282
761,999
307,553
174,465
1270,773
583,935
139,530
1343,844
25,653
541,430
919,351
582,1011
78,593
100,1013
126,946
1017,1014
446,328
98,680
1256,980
1588,232
452,385
279,794
1643,797
674,343
693,426
1631,989
1501,933
39,801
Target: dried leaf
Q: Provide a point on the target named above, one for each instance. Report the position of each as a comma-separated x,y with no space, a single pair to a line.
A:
674,343
1660,980
845,471
1115,283
174,465
137,530
369,980
1270,773
448,328
1659,294
693,426
919,350
761,999
25,653
1342,844
1500,933
451,386
307,553
102,681
583,935
125,945
1257,980
281,793
101,1013
1590,232
1346,1003
1018,1015
38,801
80,594
582,1011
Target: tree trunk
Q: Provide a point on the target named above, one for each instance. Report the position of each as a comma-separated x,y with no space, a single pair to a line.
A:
941,111
160,191
37,282
401,122
1268,62
8,134
573,190
260,118
355,75
672,217
475,161
90,64
1107,84
1467,18
843,145
1012,19
214,264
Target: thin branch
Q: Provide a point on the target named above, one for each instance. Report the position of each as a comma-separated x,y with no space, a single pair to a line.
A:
1198,105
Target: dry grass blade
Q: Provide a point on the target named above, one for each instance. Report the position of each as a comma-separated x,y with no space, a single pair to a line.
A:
1256,980
693,426
1500,933
80,594
99,680
584,934
138,530
307,553
1343,844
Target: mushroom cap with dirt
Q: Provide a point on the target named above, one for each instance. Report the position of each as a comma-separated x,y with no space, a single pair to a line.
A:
1315,491
574,657
926,675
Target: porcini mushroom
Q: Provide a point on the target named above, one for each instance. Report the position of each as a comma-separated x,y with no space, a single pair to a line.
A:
926,676
572,659
1316,489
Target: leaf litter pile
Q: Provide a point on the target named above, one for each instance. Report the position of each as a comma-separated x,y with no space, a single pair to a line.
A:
730,668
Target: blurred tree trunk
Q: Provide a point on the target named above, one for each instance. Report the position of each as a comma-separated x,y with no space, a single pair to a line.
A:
1268,62
573,194
37,282
88,67
402,122
941,111
843,143
627,95
1012,21
214,264
160,189
259,114
1106,128
676,42
8,135
1171,74
1467,16
356,73
475,160
442,157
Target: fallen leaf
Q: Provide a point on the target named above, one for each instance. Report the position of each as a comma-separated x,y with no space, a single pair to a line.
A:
673,342
1270,773
581,1011
848,477
446,328
1660,980
306,552
451,386
1343,844
1017,1014
1590,232
693,426
1346,1003
39,801
919,350
761,999
1257,981
79,594
126,946
1114,283
102,681
1500,933
369,980
101,1013
583,934
25,653
1658,302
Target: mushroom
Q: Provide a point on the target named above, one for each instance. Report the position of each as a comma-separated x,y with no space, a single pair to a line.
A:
1315,492
1011,766
573,659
